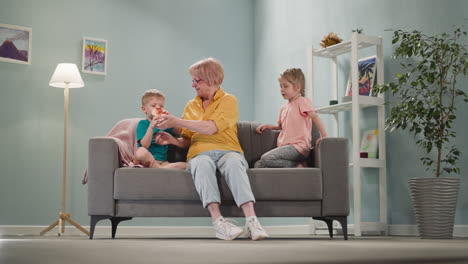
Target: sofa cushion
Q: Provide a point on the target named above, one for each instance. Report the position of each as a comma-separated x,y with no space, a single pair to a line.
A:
281,184
286,184
154,184
173,184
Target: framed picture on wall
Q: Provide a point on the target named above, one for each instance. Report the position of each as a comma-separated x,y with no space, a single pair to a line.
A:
95,52
15,44
367,73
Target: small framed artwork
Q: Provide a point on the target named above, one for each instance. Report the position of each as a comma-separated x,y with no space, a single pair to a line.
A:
15,44
369,144
95,52
367,75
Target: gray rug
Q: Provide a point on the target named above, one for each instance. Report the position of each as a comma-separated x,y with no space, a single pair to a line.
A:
78,249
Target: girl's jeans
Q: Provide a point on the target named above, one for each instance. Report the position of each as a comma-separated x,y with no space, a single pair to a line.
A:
280,157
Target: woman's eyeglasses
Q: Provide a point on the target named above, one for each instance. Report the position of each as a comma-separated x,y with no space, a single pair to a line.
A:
196,81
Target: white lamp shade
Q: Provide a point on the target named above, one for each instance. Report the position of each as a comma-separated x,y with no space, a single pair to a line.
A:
66,74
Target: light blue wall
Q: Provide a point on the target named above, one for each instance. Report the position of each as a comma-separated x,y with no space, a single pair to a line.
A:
151,45
283,31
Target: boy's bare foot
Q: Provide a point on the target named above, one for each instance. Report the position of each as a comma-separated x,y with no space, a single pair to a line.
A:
154,164
175,165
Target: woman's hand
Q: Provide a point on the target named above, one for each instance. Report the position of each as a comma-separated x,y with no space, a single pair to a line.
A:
166,121
263,127
164,138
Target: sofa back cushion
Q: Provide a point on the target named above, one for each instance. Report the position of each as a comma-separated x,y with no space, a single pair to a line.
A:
253,144
175,154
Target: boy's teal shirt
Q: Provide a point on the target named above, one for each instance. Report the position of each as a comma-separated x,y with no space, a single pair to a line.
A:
159,152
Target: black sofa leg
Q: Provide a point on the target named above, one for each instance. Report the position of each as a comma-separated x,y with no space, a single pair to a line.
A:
343,220
329,223
115,222
94,220
344,225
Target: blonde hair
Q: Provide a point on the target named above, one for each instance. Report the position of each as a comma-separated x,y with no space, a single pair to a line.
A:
294,76
151,93
209,70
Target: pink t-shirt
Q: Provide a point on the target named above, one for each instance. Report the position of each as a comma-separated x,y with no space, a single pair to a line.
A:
296,125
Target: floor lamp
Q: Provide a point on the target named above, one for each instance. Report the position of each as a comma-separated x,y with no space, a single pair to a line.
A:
66,76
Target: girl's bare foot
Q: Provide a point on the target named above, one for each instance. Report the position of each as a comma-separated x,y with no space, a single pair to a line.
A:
300,165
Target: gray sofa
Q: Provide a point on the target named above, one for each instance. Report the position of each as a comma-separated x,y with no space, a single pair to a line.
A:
319,191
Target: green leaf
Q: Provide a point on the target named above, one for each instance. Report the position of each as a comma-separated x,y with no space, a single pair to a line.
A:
423,90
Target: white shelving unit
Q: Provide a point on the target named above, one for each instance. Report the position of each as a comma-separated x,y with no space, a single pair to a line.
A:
358,41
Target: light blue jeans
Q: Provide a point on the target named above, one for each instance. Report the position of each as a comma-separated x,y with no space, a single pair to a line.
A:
233,168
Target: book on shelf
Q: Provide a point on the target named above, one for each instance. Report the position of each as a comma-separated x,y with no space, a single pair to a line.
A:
367,75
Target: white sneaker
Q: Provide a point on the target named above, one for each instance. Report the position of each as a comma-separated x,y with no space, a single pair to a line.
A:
225,229
254,230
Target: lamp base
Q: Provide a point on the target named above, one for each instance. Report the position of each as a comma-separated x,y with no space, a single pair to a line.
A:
61,225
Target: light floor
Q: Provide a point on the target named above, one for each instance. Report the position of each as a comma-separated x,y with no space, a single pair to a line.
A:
317,249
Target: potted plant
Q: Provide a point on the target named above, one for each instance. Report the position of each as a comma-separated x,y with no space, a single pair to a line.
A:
427,95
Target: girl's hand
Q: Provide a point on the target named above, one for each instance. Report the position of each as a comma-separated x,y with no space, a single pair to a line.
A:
163,138
260,128
317,142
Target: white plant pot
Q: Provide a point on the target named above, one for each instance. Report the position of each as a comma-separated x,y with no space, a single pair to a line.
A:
434,204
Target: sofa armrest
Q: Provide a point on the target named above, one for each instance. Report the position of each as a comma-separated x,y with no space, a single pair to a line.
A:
331,157
103,160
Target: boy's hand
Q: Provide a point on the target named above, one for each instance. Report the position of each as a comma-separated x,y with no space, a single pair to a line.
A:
163,138
153,123
263,127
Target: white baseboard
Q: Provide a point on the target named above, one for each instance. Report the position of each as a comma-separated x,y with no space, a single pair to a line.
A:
207,231
403,230
412,230
148,231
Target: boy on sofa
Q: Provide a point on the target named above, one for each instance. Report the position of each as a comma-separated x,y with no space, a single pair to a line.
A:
149,153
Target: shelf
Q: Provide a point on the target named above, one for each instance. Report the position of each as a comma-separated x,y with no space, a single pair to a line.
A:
355,104
364,102
370,163
345,47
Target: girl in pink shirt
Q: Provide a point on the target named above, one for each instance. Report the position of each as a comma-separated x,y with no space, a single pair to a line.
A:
295,122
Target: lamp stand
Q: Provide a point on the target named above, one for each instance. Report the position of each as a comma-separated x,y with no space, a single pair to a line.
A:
63,216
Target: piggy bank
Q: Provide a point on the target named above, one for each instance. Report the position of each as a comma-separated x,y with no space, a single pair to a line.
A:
158,112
